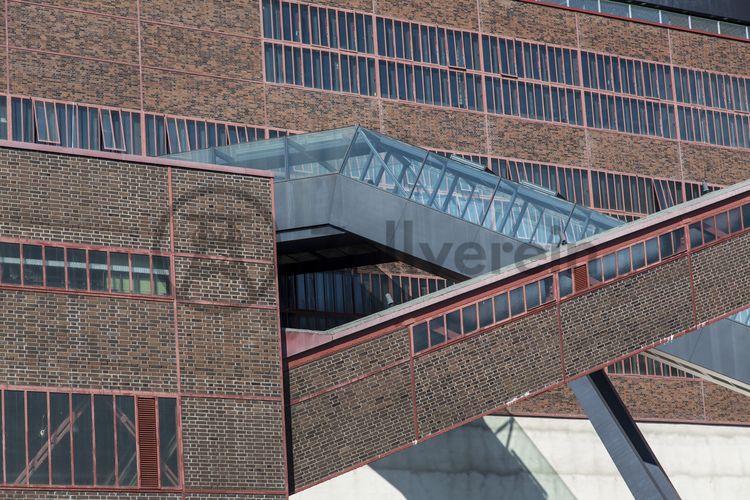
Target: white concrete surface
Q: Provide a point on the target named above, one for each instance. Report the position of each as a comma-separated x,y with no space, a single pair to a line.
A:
537,458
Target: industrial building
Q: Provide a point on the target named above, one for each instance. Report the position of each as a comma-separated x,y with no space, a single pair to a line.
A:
349,249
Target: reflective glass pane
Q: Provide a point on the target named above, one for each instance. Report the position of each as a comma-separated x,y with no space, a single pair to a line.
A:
38,430
485,313
168,442
60,437
419,337
161,274
638,255
98,270
10,263
453,324
565,279
437,331
516,301
104,439
83,440
318,154
120,269
469,315
15,438
54,260
32,265
127,461
501,307
428,180
76,268
141,273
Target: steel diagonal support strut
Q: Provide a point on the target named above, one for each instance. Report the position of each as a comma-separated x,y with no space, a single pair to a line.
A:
621,437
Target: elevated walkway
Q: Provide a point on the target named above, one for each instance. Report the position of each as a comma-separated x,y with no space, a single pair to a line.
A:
416,370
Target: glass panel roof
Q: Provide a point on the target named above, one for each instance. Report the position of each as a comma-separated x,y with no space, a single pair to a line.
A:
444,184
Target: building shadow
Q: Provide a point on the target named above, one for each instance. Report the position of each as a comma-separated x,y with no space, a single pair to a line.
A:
490,458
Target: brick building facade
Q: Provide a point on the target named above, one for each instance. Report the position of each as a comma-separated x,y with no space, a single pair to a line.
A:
144,292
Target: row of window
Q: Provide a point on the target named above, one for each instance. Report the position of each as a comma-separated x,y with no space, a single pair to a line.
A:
320,69
719,226
427,85
81,269
458,51
428,44
634,116
322,300
64,439
314,25
482,314
116,130
714,127
658,16
640,364
627,76
712,90
600,269
533,100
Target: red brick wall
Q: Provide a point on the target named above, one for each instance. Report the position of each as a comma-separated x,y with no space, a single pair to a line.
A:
222,362
204,59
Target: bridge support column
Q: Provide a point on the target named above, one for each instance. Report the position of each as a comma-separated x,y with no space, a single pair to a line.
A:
621,437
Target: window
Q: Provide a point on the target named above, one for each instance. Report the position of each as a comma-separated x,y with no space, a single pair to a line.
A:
46,122
104,433
10,263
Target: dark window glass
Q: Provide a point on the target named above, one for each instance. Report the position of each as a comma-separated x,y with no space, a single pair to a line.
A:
469,315
595,272
696,235
76,268
546,290
652,251
453,324
501,307
437,331
485,313
678,240
141,274
623,261
639,257
709,230
722,228
120,269
532,295
10,263
54,258
735,221
59,414
168,442
83,440
37,438
105,440
516,301
161,275
665,244
746,215
32,265
127,462
15,438
419,333
565,279
608,266
98,270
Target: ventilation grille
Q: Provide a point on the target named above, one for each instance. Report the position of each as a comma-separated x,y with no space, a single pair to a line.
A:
148,451
580,278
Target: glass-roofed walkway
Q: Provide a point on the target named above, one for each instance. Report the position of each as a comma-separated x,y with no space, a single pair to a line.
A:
454,187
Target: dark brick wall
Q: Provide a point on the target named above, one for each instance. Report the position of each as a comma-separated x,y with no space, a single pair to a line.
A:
355,423
79,200
86,342
230,351
204,59
469,378
349,364
232,444
222,215
721,278
246,283
626,315
222,362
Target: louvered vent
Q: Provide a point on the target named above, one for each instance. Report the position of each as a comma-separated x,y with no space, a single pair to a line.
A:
148,452
580,278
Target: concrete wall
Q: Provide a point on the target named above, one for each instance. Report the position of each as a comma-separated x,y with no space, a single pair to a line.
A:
534,458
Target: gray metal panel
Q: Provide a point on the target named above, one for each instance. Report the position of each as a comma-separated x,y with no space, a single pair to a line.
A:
621,437
722,349
738,10
403,226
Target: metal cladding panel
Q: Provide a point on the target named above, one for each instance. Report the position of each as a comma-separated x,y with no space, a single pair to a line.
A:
738,10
